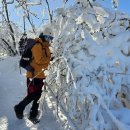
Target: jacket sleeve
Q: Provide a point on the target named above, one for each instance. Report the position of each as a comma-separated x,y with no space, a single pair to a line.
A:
41,55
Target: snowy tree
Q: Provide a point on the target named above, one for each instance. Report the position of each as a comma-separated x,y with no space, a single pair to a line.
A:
89,76
9,42
29,15
7,37
90,72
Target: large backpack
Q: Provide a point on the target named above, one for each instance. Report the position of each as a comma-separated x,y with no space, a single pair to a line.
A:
26,55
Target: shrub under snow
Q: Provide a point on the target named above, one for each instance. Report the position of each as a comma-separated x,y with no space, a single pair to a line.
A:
90,73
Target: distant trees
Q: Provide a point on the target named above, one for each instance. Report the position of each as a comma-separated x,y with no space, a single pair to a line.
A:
7,37
9,29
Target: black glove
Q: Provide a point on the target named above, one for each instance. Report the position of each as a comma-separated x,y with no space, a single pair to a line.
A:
52,58
30,68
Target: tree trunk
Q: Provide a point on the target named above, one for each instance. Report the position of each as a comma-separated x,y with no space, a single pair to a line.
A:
10,51
10,27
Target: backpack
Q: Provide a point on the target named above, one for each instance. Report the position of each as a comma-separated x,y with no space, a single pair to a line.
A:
22,43
26,55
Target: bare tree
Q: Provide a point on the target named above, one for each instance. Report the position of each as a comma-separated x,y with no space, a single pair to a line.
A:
27,12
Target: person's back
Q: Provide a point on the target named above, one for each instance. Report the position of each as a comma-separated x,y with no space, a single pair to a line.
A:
40,58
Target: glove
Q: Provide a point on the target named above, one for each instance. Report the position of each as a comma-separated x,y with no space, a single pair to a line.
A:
30,68
52,58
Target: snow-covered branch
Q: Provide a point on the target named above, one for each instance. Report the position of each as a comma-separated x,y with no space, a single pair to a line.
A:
90,73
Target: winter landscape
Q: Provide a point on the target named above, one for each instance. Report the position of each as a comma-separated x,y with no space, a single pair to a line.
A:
88,81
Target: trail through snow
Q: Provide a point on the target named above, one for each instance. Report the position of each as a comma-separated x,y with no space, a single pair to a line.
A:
13,90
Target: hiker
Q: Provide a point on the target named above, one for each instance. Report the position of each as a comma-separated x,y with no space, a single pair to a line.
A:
40,60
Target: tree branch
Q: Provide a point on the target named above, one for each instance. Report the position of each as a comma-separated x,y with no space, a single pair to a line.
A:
11,51
9,24
49,11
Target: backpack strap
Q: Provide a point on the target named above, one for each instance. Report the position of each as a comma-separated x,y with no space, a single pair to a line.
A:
30,43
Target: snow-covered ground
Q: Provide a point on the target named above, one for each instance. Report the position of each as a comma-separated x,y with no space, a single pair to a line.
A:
12,90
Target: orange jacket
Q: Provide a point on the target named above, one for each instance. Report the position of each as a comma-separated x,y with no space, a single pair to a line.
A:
40,58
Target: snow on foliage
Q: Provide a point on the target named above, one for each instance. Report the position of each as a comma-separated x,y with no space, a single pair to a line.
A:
90,72
7,45
115,3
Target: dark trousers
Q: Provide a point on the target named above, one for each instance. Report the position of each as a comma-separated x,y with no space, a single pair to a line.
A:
34,90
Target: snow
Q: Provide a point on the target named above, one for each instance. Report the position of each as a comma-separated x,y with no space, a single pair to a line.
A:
13,90
88,78
92,45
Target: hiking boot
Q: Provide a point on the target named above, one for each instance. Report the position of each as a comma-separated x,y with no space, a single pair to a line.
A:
34,120
33,114
19,114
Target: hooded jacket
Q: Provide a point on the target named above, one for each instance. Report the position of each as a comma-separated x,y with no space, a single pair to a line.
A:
40,58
